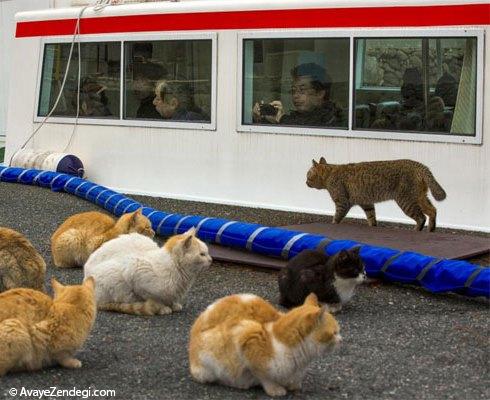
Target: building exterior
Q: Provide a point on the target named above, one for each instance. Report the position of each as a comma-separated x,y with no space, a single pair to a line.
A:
384,80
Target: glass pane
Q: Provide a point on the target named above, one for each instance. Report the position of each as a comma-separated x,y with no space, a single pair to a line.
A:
416,85
296,82
168,80
99,83
452,104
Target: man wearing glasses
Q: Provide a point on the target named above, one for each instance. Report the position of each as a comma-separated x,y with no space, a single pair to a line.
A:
310,93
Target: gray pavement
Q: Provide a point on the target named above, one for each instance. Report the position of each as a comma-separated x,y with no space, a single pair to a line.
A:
399,342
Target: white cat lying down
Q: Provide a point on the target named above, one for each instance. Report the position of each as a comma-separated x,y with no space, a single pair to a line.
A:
135,276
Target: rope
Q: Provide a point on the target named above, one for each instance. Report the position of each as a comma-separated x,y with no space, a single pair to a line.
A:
98,6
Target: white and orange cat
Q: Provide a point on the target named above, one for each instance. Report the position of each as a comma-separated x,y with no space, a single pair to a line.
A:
136,276
243,341
81,234
39,332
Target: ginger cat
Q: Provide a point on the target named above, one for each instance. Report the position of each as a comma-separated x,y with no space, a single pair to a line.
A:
20,263
136,276
367,183
55,337
26,304
81,234
243,341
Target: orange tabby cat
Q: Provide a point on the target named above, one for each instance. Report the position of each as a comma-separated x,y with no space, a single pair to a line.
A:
81,234
26,304
56,337
243,341
20,263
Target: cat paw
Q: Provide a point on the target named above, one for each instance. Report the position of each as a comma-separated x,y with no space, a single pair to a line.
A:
177,307
201,374
274,390
70,363
295,386
333,308
164,310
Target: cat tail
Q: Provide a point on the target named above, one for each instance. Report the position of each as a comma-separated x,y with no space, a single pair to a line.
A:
139,308
436,189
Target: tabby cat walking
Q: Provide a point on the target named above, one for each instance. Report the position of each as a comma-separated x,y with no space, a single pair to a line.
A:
367,183
243,341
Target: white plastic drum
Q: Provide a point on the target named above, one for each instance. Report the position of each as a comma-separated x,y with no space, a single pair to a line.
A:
48,161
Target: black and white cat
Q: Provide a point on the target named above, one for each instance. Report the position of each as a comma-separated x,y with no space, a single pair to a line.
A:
333,279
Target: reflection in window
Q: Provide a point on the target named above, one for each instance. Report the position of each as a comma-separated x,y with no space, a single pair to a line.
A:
416,84
99,83
296,82
168,80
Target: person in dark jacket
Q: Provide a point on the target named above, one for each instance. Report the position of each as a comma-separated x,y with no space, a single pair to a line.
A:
145,76
93,99
447,88
310,92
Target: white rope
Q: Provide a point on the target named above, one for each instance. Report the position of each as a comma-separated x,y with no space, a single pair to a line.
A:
98,6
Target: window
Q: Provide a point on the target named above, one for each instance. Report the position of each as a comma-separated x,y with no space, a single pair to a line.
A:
420,84
168,80
296,82
99,80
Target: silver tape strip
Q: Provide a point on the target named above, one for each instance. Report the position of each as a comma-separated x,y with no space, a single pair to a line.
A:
252,237
289,244
222,229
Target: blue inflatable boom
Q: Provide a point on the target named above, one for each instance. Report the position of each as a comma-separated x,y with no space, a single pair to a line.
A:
434,274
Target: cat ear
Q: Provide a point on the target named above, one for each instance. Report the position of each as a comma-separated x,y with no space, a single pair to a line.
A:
191,231
89,282
187,242
311,300
322,160
311,318
355,250
314,163
56,285
134,216
330,323
139,211
342,256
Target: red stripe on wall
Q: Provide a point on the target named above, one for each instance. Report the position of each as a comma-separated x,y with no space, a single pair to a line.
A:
468,14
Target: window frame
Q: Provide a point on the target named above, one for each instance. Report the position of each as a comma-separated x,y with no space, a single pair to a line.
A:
352,34
121,121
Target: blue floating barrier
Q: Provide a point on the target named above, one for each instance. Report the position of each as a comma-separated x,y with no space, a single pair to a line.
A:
435,275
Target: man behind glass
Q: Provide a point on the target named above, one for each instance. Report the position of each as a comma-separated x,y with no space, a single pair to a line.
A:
145,76
174,100
310,93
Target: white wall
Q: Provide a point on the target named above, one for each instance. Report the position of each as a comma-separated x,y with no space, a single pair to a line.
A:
8,8
262,170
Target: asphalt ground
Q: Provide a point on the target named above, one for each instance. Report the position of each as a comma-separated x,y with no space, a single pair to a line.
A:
400,342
